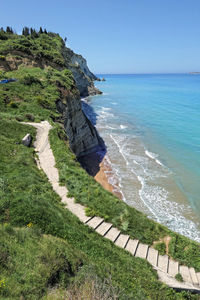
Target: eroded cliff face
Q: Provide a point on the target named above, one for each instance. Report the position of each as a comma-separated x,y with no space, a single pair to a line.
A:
84,78
83,136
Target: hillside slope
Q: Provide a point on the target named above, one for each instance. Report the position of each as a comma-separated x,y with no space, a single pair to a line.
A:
44,250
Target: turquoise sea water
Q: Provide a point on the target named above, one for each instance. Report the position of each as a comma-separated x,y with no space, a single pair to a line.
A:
151,126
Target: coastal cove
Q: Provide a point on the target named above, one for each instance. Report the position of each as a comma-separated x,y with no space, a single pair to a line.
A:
150,124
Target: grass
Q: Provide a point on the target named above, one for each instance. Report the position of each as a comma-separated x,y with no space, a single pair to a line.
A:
34,93
29,255
161,247
31,261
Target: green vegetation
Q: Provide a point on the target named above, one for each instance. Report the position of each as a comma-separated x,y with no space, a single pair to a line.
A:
27,257
161,247
27,198
45,251
39,45
34,93
179,277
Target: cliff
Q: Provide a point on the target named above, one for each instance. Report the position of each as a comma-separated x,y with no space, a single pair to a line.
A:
83,136
49,53
83,76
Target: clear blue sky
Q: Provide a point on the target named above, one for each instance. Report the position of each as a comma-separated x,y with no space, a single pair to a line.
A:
118,36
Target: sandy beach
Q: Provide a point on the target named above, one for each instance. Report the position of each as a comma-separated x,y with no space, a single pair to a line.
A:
99,168
102,178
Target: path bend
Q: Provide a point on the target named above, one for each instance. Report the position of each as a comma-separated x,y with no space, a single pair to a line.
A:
165,266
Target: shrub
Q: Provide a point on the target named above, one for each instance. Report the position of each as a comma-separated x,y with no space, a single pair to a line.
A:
30,117
19,119
161,247
89,212
43,102
13,104
2,57
179,277
29,80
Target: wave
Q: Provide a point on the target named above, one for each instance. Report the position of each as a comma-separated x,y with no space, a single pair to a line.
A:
167,212
120,149
153,156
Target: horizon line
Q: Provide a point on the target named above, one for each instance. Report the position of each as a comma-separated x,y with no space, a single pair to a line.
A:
148,73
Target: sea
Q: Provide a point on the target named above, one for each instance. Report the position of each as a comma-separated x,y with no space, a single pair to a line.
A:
151,126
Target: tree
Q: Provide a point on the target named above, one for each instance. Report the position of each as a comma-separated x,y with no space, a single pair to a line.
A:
25,31
9,30
34,33
41,30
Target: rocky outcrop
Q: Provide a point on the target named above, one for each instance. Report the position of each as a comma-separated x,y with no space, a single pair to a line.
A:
15,59
83,136
84,78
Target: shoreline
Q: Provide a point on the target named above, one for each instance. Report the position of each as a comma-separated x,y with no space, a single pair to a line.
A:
97,165
103,179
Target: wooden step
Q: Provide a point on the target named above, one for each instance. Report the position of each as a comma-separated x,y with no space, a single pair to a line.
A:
95,222
103,228
142,251
152,256
184,271
122,240
173,267
193,276
163,262
198,277
112,234
132,246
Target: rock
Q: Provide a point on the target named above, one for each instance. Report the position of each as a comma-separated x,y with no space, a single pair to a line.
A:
103,79
84,78
26,141
83,136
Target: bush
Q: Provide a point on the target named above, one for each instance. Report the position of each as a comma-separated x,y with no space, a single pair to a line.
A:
30,117
43,102
2,57
161,247
29,80
179,277
13,104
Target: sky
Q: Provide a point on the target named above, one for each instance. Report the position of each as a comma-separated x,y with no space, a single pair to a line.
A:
118,36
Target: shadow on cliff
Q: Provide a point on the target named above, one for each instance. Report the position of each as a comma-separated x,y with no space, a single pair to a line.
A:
89,112
91,162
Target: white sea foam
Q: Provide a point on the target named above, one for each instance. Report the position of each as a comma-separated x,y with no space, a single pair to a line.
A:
105,108
120,148
123,126
153,156
166,212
